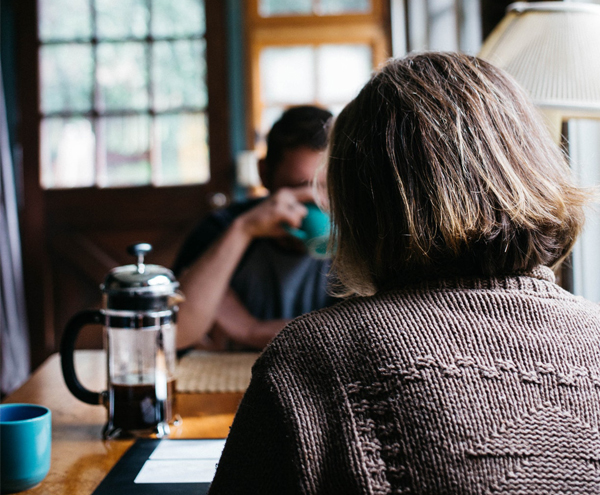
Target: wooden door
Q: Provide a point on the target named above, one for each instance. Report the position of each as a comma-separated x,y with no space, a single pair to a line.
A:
73,237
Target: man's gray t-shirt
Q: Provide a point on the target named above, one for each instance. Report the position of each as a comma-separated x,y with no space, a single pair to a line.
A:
271,281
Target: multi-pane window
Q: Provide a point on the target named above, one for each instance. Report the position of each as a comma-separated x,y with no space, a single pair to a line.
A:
311,52
327,74
122,93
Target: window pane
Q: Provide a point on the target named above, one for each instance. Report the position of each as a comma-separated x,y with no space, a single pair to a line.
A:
287,75
343,70
179,69
331,7
66,76
584,153
418,20
126,159
64,19
122,76
442,25
268,8
470,26
175,19
182,148
269,116
67,153
122,18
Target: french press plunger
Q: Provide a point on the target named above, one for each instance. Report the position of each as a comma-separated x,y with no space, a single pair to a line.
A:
139,317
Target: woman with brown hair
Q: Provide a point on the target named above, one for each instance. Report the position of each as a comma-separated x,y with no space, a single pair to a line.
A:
456,365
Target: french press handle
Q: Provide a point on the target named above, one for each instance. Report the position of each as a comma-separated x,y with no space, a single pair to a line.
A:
67,349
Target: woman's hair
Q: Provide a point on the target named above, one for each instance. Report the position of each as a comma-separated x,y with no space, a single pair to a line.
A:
442,167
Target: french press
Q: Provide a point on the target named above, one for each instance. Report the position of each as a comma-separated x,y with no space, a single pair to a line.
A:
139,313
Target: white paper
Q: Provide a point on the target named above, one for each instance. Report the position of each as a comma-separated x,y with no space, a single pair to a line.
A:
188,449
182,461
177,471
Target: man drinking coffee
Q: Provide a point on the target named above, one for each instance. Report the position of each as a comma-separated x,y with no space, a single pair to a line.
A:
244,276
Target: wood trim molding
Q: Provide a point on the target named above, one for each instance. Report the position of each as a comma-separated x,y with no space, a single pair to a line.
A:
221,161
33,215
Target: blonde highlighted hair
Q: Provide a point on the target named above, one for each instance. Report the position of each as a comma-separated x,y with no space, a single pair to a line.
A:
442,167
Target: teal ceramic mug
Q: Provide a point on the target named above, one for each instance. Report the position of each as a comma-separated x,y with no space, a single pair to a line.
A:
25,439
314,231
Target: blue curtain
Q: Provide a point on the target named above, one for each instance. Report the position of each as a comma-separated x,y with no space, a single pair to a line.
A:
14,349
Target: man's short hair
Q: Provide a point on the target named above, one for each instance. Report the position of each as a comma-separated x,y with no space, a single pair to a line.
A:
442,167
302,126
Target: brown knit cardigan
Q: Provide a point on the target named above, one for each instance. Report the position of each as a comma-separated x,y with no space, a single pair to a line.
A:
457,387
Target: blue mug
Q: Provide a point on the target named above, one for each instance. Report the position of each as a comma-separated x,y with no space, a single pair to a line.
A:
314,231
25,439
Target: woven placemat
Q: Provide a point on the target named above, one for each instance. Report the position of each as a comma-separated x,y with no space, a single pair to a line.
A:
203,371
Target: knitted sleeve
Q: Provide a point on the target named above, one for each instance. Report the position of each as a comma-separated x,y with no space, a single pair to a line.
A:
256,457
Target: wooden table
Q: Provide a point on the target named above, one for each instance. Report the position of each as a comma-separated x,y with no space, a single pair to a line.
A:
80,458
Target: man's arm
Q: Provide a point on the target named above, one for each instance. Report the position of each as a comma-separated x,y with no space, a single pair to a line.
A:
235,322
206,282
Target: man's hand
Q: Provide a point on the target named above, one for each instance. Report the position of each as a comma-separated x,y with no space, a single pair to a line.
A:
285,207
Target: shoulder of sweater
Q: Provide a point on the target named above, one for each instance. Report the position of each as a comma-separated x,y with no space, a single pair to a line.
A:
314,336
517,287
309,331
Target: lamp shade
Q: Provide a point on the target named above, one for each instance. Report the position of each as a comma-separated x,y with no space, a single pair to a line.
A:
551,49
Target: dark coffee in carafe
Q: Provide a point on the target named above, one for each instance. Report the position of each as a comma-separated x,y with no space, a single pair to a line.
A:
136,407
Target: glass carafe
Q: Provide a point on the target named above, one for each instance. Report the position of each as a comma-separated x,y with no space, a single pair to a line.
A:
139,318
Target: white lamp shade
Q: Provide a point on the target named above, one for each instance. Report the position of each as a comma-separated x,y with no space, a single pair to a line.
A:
552,49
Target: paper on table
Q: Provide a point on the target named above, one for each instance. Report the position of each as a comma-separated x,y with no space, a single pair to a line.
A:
177,471
188,449
182,461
